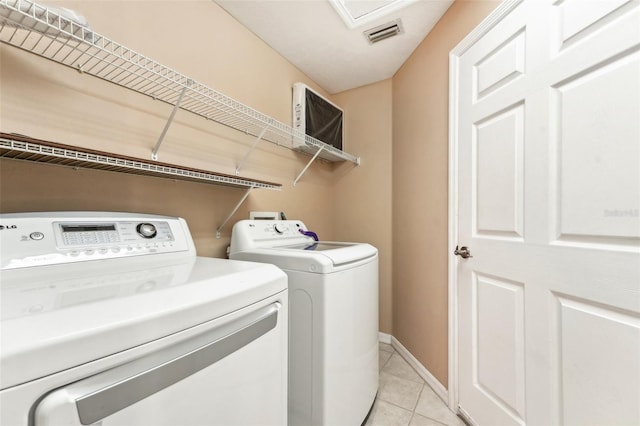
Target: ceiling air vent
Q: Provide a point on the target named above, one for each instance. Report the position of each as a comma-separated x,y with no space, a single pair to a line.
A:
384,31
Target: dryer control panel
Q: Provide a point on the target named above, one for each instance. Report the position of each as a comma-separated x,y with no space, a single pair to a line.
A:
35,239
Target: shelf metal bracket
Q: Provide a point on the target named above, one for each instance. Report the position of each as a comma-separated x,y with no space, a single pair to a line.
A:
295,181
255,143
154,153
235,209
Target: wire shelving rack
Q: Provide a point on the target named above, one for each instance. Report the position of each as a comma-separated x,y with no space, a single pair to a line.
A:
46,33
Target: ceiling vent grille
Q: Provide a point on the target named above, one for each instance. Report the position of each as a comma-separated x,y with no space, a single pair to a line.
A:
384,31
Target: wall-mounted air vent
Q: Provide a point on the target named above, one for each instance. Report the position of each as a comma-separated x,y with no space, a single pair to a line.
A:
384,31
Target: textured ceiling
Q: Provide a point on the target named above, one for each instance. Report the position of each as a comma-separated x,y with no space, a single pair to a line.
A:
332,49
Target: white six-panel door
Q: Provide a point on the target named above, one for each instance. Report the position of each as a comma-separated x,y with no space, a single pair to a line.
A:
546,156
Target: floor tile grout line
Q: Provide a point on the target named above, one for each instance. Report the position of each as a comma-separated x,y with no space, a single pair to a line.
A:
419,395
424,384
414,413
396,405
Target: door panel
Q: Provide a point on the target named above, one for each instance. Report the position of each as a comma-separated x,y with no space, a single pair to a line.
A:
498,306
599,181
579,18
595,362
497,144
548,173
500,66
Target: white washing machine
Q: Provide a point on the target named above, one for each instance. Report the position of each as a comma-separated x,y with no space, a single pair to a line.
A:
110,318
333,322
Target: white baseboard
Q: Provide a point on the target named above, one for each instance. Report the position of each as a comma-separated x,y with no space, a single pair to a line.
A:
384,338
429,378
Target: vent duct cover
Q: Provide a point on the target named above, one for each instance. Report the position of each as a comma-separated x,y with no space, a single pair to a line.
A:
384,31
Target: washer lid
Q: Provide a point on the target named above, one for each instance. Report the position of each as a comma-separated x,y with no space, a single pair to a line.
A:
318,246
317,257
57,317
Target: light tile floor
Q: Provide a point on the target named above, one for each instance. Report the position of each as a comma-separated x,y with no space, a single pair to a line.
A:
404,399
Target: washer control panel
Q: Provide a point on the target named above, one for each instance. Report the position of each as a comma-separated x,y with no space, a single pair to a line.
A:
278,229
34,239
248,234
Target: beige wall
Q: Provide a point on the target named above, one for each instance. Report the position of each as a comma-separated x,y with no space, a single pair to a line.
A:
362,195
197,38
44,100
420,159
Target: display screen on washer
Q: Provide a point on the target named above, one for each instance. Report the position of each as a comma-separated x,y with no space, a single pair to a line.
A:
87,228
315,246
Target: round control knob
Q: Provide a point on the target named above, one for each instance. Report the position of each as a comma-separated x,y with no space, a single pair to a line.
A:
279,228
36,236
146,230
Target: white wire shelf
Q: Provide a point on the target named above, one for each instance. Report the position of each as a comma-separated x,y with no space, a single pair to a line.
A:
36,29
19,147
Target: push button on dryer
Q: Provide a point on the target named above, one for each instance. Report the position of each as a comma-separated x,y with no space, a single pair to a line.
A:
36,236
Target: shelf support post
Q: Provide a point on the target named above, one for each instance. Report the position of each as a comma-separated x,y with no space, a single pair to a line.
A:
307,166
154,153
255,143
235,209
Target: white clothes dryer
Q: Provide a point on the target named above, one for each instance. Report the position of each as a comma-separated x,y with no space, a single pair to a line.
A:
333,318
112,319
